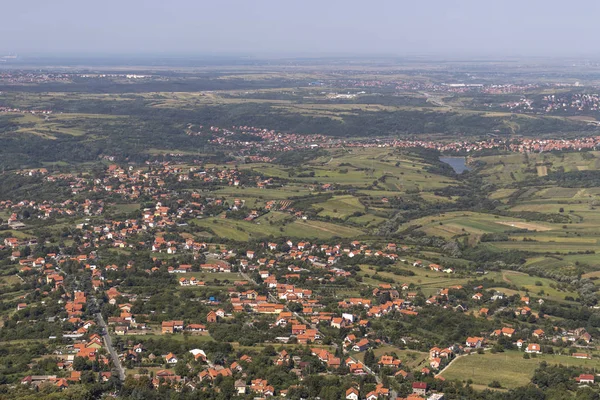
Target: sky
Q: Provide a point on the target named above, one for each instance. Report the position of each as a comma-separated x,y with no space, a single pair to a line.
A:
301,27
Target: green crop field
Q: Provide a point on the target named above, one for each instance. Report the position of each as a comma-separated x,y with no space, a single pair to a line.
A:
244,230
566,263
429,281
504,169
9,280
535,285
48,126
452,224
508,368
367,220
546,247
190,340
126,208
264,194
212,276
359,168
340,206
274,216
320,230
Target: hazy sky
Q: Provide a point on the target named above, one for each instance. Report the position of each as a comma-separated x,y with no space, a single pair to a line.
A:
503,27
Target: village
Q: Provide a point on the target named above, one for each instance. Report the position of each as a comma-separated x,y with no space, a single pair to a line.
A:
138,298
277,284
350,231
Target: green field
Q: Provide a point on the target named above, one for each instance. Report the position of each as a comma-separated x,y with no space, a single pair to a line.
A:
9,280
547,247
534,285
49,126
367,220
263,194
211,276
320,230
508,168
451,224
125,208
429,281
244,230
190,340
359,167
340,206
508,368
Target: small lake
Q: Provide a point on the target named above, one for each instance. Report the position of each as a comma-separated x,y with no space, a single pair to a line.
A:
458,164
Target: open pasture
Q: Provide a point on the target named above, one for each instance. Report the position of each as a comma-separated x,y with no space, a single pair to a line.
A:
508,368
515,167
244,230
48,126
340,206
535,285
451,224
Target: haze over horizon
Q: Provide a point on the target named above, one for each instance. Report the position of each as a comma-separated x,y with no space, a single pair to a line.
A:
269,27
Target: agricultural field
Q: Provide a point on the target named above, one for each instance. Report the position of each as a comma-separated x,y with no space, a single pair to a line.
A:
262,195
451,224
367,220
430,282
542,287
509,367
49,126
321,230
586,263
9,280
509,168
212,277
340,207
125,208
178,338
244,230
359,167
555,247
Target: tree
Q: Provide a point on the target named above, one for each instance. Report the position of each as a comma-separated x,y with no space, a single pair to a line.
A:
227,387
181,368
369,358
330,393
586,393
80,364
88,377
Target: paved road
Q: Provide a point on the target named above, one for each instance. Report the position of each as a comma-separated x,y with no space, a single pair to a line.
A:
108,343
